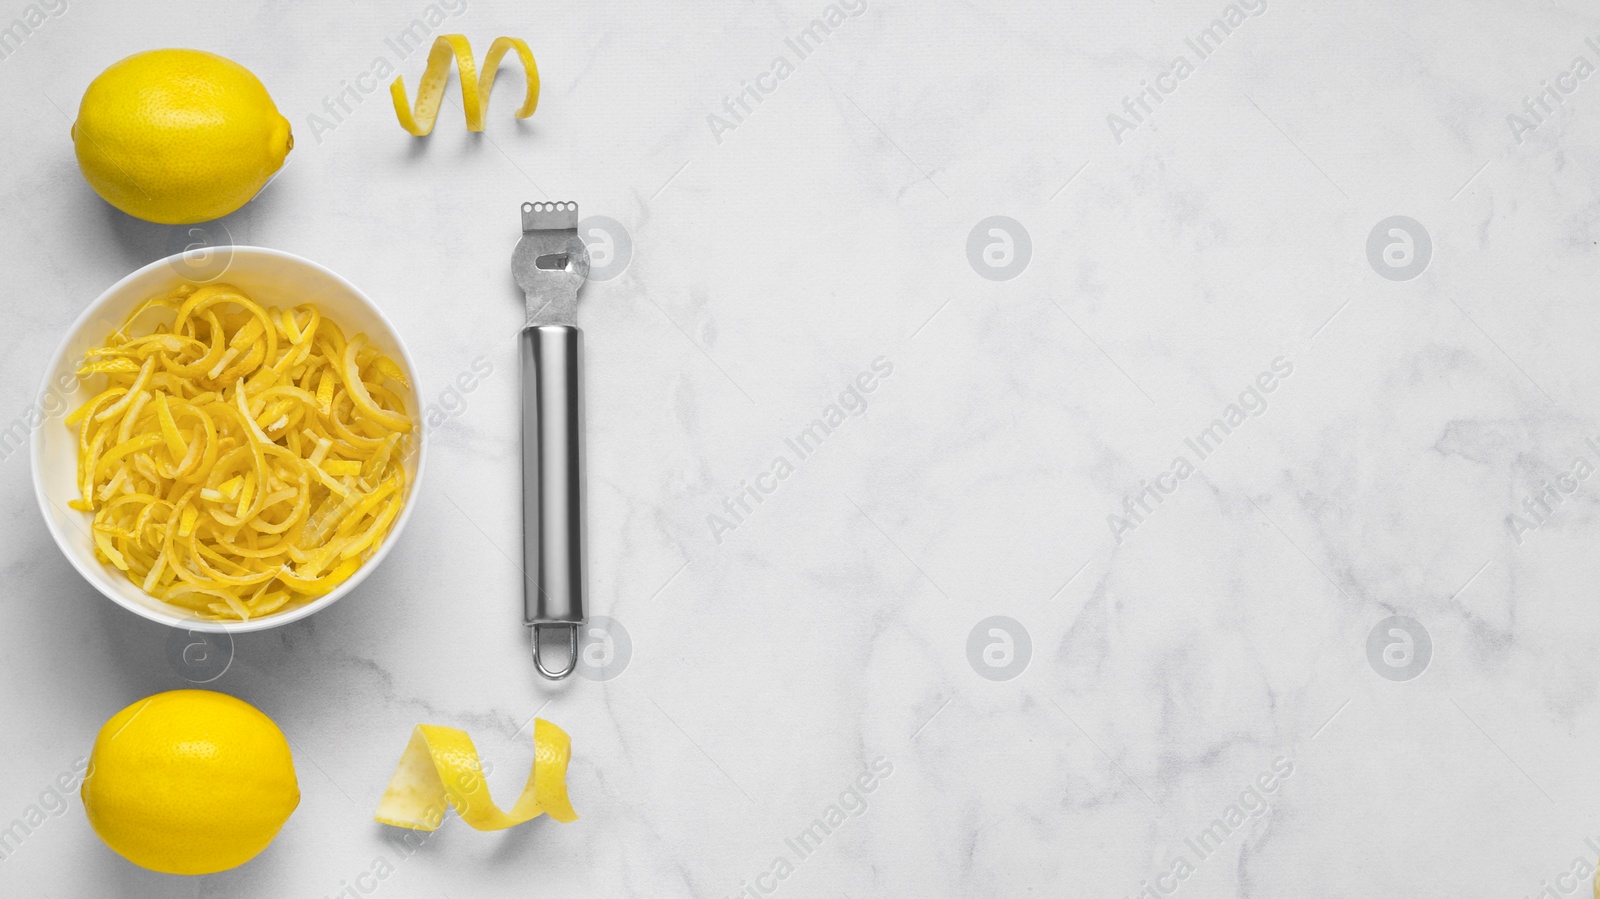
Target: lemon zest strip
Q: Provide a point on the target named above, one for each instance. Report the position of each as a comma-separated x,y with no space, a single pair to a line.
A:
440,765
474,93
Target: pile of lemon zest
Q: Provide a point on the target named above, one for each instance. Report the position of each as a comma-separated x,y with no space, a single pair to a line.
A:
201,455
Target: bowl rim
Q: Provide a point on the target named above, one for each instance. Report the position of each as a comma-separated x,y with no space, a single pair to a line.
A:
95,575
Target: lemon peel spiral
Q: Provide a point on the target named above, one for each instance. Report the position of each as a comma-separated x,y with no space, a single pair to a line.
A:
239,460
440,765
474,93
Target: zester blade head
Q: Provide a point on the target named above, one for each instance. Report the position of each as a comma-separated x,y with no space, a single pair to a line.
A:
551,262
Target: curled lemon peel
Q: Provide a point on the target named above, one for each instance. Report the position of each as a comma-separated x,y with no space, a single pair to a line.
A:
239,460
474,92
440,766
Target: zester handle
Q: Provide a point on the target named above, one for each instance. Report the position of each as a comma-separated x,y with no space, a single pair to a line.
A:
552,476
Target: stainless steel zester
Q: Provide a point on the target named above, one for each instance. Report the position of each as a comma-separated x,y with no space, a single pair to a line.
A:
551,265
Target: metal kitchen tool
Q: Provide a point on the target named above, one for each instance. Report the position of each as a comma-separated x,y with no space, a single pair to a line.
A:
551,265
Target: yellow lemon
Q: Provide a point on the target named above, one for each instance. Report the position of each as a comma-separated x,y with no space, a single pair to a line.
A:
178,136
189,782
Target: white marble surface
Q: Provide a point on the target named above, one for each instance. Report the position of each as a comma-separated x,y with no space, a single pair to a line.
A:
1226,633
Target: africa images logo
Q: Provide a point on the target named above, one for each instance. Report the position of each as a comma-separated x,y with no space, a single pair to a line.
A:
998,248
999,648
1399,648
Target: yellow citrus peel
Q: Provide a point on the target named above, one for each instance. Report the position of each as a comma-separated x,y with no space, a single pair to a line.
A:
239,460
474,93
440,765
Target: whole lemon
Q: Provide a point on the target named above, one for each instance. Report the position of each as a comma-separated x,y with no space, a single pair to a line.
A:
178,136
189,782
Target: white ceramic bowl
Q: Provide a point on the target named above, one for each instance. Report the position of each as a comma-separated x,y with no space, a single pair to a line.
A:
269,277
